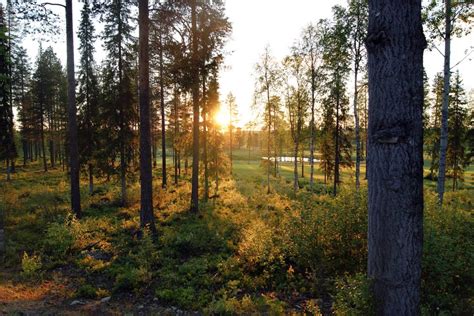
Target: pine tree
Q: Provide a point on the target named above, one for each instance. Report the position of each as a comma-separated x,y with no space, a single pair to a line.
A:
433,132
357,14
455,18
21,75
267,77
312,49
335,114
456,156
88,94
7,142
297,103
232,106
48,106
119,107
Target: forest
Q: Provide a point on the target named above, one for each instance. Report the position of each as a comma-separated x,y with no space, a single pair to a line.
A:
131,185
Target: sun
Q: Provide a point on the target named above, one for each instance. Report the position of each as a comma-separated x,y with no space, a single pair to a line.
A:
221,118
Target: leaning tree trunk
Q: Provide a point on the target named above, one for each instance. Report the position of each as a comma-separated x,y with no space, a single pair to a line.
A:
195,94
395,45
146,200
443,141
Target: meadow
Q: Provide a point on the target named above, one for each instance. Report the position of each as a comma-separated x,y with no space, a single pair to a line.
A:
246,252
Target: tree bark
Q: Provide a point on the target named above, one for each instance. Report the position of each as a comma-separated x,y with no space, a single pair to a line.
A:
337,154
195,95
443,140
312,125
72,120
295,166
395,45
204,140
162,108
146,201
357,128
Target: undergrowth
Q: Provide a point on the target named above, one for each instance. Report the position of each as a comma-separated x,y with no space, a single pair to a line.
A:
246,252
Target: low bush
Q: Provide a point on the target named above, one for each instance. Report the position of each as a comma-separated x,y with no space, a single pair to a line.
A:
353,296
31,266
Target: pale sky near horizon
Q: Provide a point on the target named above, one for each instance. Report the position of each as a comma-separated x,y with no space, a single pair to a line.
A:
277,23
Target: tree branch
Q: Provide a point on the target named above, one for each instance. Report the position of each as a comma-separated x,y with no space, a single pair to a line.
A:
53,4
463,59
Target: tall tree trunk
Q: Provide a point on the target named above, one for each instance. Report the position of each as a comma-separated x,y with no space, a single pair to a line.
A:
25,152
91,179
176,132
204,141
43,147
356,119
51,152
337,149
147,218
269,133
72,121
2,236
162,108
295,167
395,45
123,162
443,140
312,127
8,169
195,94
302,162
230,139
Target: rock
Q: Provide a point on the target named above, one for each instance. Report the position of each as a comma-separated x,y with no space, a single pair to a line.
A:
77,302
105,299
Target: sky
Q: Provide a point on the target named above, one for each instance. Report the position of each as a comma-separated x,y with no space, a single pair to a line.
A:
277,23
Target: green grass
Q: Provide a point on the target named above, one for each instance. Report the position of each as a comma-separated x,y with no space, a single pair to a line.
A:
246,252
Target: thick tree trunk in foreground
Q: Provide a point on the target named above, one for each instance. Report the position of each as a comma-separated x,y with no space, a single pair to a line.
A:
395,46
195,94
72,120
146,200
443,140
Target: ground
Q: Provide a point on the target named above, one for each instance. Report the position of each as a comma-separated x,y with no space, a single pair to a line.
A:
246,252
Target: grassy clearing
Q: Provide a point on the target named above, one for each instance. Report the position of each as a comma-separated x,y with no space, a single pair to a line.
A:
246,252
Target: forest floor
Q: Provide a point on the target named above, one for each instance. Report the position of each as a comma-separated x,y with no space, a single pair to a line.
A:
246,252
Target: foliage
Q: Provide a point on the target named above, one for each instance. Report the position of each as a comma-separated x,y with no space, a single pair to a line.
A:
353,296
448,257
58,241
31,266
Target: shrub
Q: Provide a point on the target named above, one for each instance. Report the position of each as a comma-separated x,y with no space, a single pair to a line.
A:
31,266
330,234
353,296
86,291
58,241
448,256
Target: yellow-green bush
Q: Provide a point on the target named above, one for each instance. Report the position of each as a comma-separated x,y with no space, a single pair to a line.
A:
31,266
